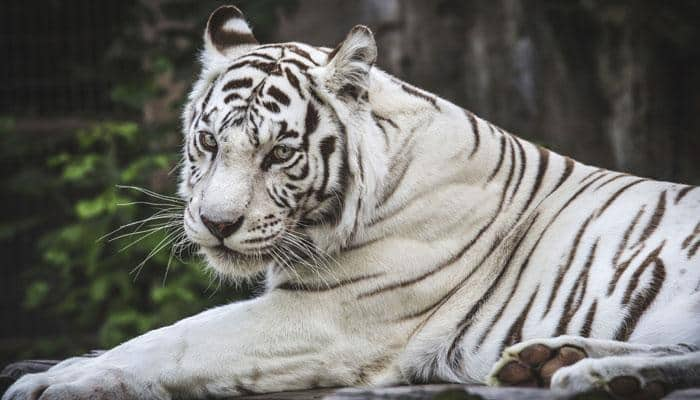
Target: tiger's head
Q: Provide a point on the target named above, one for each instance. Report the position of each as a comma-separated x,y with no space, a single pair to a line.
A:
272,137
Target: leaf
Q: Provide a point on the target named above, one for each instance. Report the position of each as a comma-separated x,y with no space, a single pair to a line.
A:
80,168
35,294
90,208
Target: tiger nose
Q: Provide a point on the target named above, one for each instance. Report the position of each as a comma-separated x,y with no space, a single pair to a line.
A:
222,229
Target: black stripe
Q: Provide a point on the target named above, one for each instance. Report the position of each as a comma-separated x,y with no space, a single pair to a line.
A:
683,192
298,51
501,154
420,94
541,171
563,269
634,279
205,103
298,287
619,270
238,83
426,309
278,95
568,168
644,298
302,175
303,67
511,169
385,119
274,198
466,321
523,163
596,171
381,128
231,97
294,81
590,316
266,67
475,130
261,55
616,195
689,239
327,148
284,134
614,178
521,270
625,237
693,250
311,121
515,333
655,218
272,107
570,308
575,196
396,180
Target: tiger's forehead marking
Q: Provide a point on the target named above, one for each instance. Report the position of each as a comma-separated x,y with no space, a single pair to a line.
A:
256,88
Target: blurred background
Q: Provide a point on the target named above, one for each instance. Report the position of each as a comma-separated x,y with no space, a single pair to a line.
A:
90,95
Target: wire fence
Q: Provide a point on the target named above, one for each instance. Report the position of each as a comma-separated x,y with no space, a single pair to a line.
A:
55,52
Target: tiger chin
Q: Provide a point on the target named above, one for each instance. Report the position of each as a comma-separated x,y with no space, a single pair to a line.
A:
404,240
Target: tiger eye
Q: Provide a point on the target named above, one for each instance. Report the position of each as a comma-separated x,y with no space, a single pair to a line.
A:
208,141
282,152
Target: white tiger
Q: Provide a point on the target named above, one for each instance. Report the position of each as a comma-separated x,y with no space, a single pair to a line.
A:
404,240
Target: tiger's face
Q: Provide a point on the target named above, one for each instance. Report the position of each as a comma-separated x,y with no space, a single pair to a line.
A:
265,154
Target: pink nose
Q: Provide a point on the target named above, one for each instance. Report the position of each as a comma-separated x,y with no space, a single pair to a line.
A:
222,229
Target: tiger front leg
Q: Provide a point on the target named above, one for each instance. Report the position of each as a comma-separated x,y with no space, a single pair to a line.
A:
583,364
273,343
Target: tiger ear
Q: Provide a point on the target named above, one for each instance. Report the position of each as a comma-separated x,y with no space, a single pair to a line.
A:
349,63
227,33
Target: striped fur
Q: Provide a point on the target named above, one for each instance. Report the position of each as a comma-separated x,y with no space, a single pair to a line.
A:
417,240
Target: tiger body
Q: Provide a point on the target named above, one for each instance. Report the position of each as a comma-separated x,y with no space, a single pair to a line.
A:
429,240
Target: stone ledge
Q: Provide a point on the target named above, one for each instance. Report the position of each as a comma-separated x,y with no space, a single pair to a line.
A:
416,392
449,392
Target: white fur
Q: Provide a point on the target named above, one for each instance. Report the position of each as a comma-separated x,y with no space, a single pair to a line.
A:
288,340
237,25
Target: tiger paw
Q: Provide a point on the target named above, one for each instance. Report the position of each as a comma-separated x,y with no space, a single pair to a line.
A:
533,363
83,383
593,376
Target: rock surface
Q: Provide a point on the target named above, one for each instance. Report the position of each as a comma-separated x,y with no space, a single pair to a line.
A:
416,392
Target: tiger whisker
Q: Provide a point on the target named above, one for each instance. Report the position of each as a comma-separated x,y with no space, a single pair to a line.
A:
320,252
179,239
172,199
158,215
177,165
150,203
162,244
166,225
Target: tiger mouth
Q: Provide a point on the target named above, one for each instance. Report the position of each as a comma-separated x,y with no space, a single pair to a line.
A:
232,255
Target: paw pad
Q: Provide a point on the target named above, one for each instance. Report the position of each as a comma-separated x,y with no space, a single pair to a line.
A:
624,385
515,372
535,365
629,387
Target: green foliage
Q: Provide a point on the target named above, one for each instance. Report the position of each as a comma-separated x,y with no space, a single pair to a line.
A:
81,284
